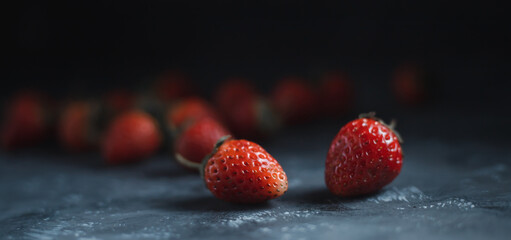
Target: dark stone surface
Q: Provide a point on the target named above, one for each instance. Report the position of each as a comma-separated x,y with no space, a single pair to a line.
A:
449,188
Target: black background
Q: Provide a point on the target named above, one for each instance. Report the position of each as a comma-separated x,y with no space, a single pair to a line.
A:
63,46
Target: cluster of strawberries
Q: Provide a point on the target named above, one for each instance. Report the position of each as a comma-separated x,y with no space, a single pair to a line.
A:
363,157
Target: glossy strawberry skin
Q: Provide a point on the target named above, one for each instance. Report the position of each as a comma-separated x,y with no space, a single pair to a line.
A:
243,172
363,158
295,101
131,137
336,93
199,139
74,128
189,111
26,120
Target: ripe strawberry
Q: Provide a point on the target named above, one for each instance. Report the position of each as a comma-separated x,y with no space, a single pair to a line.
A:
119,101
232,91
131,137
246,113
363,157
198,140
79,126
409,84
295,101
173,85
242,171
188,111
336,92
26,120
251,118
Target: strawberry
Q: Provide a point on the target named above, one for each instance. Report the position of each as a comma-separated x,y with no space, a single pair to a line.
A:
251,118
232,91
198,140
119,101
173,85
26,120
295,101
76,128
409,84
188,111
336,92
242,171
363,158
246,113
131,137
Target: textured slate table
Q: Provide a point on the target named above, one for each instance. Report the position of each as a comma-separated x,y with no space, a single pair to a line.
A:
449,188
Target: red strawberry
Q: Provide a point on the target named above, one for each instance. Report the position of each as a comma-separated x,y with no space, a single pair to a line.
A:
246,114
188,111
198,140
76,130
173,85
336,92
118,101
131,137
232,91
295,101
409,84
363,158
242,171
26,120
251,118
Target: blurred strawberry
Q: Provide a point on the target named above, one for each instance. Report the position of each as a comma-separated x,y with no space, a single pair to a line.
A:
119,100
77,129
295,101
336,93
172,86
232,91
131,137
198,140
27,120
409,84
251,118
188,111
246,113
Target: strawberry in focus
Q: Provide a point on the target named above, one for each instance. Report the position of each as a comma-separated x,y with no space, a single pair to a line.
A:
295,101
241,171
131,137
363,158
26,120
198,140
336,93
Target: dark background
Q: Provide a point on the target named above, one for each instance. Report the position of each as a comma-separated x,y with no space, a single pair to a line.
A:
65,47
455,179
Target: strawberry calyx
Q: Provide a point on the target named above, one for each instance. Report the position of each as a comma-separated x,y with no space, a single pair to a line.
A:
207,157
391,126
200,166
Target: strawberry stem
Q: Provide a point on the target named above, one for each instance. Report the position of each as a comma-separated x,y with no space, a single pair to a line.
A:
187,163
